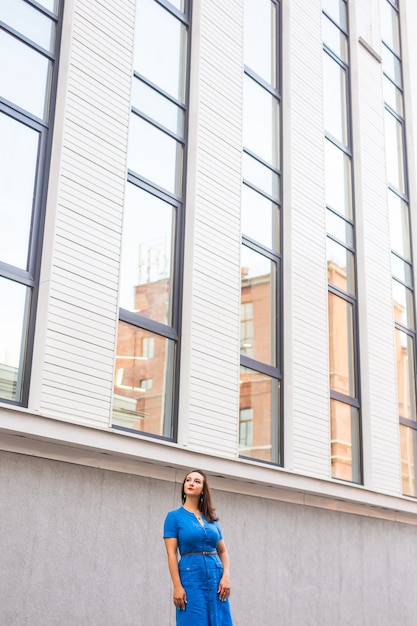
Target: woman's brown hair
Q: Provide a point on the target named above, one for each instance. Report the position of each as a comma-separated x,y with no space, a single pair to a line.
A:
205,503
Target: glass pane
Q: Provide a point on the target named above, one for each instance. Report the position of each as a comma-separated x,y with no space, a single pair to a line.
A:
403,304
338,180
160,48
406,382
260,122
258,287
402,270
392,66
341,346
259,416
408,443
339,228
24,76
155,155
399,225
147,255
334,38
28,21
393,96
178,4
260,42
336,9
18,160
159,108
261,176
143,385
51,5
340,267
260,219
394,151
390,27
14,314
335,114
345,437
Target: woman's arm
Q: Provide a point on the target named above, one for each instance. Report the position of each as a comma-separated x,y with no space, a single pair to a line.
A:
179,596
224,585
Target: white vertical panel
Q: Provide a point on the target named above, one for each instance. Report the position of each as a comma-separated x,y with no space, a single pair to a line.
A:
81,274
376,324
210,336
304,248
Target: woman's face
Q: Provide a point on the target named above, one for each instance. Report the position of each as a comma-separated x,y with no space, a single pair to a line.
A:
193,485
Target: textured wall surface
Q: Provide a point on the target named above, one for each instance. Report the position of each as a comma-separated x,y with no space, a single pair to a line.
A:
83,547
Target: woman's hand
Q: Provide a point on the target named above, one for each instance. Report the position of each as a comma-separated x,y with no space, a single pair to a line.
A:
180,597
224,587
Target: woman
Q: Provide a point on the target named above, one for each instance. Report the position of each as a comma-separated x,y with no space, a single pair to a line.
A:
201,577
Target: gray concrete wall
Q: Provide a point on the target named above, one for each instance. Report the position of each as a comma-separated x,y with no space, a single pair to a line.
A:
83,547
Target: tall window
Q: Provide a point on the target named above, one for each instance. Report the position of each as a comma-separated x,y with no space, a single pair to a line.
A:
151,255
29,37
260,377
400,234
341,264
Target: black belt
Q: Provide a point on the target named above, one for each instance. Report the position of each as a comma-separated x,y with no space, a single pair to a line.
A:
203,553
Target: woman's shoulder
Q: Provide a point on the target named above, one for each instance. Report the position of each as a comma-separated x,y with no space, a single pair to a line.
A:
176,512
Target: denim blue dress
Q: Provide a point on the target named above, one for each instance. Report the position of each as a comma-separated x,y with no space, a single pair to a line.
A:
200,574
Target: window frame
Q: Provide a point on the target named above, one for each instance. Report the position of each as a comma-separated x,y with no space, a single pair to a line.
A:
45,127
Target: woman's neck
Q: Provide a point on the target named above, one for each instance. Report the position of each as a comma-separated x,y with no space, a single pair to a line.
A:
191,505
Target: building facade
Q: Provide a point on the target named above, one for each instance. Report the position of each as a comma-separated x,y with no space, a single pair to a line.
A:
206,261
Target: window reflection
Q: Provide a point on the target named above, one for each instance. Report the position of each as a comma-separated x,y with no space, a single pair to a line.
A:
18,162
339,228
13,337
155,155
399,225
390,27
338,180
406,395
261,176
260,51
29,22
340,267
334,38
260,218
341,346
258,288
392,66
394,151
156,106
259,404
143,386
335,114
147,255
408,445
160,48
336,9
403,304
260,122
393,96
24,76
345,438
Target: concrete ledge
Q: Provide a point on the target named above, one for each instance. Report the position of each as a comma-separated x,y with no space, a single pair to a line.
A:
24,432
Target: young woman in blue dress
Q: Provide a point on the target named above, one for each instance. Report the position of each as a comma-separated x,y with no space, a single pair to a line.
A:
201,577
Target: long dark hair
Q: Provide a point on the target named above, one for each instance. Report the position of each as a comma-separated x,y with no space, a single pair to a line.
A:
205,503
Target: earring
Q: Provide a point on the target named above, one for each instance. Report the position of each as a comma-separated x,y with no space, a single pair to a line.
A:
201,496
183,498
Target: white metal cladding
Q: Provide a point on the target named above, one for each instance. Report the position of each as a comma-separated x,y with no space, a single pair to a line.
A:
376,324
304,243
210,348
82,316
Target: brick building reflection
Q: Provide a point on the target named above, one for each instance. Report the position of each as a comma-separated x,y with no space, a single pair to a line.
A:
142,361
143,364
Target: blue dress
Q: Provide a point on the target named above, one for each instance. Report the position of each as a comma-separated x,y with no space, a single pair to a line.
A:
200,574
